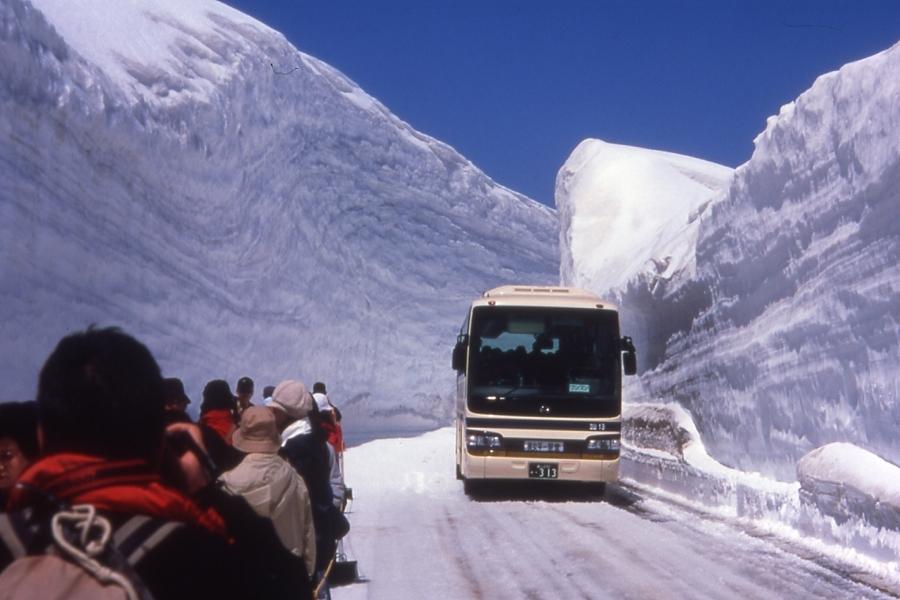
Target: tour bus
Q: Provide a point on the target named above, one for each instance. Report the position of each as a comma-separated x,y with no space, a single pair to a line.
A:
539,387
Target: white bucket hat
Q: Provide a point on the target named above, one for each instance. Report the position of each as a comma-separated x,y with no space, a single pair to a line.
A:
292,397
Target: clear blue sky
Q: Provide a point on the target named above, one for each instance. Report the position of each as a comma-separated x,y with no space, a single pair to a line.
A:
515,85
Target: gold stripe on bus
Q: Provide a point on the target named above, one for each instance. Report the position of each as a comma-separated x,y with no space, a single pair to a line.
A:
544,455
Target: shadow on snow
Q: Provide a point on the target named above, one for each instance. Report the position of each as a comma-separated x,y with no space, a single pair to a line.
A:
550,491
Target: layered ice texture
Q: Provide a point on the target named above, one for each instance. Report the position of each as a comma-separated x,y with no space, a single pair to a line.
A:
180,170
778,330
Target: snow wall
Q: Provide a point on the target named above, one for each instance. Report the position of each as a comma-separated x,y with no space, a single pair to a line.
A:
780,331
180,170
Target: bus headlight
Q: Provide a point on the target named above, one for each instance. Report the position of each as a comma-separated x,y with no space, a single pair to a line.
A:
603,444
484,441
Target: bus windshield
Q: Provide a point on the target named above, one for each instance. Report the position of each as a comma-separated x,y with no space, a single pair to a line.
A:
563,361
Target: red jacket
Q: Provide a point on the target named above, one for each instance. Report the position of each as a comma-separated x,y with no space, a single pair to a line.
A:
122,486
335,433
193,561
221,421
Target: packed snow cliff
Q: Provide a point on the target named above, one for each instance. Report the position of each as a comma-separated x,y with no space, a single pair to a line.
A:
782,335
180,170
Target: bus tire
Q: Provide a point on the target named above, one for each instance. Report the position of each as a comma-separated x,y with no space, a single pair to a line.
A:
459,476
471,487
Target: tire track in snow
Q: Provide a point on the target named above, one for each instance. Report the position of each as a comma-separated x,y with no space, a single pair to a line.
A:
453,545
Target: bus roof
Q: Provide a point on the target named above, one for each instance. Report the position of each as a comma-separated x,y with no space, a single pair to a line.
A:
533,295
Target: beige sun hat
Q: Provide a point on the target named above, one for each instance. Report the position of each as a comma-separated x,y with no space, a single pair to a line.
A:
292,397
257,432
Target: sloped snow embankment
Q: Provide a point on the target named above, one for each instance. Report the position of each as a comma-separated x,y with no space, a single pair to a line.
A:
180,169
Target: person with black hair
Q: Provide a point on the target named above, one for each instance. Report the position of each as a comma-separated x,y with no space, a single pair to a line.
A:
223,455
101,409
267,394
219,409
18,443
244,390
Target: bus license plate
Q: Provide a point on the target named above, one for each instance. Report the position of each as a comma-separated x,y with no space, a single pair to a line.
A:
543,470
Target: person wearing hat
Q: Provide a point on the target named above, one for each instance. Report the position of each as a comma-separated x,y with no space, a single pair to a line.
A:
244,393
305,447
176,399
270,485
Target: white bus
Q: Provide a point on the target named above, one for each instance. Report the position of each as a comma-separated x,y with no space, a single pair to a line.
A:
539,387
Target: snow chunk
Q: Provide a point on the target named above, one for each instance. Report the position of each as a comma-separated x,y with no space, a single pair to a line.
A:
843,480
852,465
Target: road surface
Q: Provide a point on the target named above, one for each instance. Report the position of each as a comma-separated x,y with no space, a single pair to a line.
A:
416,535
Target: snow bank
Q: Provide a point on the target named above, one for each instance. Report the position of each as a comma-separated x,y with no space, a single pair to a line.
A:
846,497
786,337
664,449
179,169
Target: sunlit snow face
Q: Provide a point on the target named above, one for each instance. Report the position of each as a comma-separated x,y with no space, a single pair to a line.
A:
12,462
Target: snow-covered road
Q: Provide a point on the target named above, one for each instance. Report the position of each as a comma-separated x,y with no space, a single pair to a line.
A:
416,535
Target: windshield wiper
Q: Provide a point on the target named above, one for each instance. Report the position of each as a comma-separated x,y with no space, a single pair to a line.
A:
509,393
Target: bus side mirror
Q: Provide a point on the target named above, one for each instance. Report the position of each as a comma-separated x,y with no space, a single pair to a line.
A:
629,356
459,352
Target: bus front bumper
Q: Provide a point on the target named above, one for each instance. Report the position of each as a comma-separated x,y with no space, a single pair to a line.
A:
504,467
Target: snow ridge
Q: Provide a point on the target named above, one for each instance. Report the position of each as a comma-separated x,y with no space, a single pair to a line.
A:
629,220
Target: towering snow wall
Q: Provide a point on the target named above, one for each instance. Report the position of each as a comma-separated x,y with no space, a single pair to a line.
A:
179,169
792,337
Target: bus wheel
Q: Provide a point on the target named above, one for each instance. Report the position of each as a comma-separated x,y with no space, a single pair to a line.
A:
471,487
459,476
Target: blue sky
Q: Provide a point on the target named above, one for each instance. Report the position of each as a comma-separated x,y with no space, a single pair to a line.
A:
515,85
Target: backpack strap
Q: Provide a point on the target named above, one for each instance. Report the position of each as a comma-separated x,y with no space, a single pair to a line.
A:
134,538
11,537
128,544
140,535
129,529
82,536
